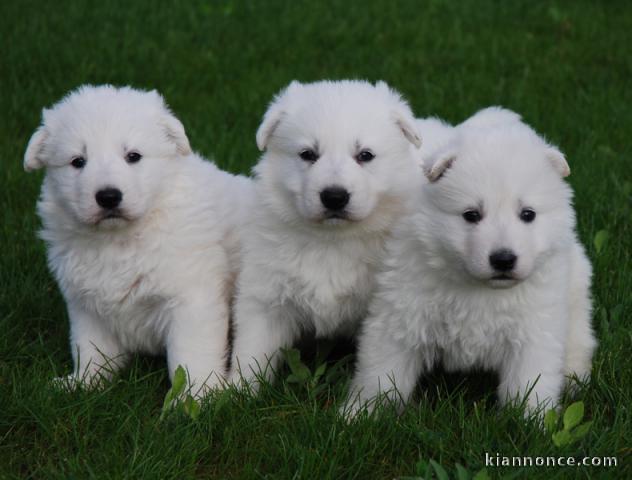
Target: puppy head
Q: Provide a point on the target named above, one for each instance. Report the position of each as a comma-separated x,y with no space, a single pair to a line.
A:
498,206
337,153
107,152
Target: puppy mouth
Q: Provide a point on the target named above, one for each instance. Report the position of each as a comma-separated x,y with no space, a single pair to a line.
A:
335,218
338,215
503,276
503,280
109,215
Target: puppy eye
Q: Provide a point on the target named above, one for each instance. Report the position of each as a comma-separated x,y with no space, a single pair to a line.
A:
78,162
133,157
527,215
365,156
472,216
308,155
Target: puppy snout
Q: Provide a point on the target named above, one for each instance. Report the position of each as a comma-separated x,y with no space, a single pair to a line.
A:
109,197
334,198
503,260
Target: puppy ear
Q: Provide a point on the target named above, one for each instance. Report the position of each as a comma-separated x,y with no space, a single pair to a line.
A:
270,122
175,133
407,125
402,115
173,128
274,115
33,158
558,161
439,165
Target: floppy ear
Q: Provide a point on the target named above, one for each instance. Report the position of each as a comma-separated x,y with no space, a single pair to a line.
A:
175,133
173,128
407,125
273,116
440,164
402,115
558,161
33,156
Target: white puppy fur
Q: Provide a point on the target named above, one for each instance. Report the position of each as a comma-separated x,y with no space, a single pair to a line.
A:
152,267
451,291
338,168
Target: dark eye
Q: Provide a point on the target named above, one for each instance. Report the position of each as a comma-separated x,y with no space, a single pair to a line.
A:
527,215
133,157
308,155
472,216
365,156
78,162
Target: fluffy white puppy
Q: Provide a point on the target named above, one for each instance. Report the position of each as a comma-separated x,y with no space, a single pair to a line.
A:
487,273
437,133
142,234
338,169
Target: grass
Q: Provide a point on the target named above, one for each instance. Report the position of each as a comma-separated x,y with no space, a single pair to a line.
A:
565,66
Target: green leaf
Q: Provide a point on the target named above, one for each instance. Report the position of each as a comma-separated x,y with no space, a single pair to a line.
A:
439,470
298,368
166,405
550,420
601,238
482,475
173,394
292,356
581,431
195,411
191,407
303,373
461,472
291,378
186,404
168,400
320,371
179,381
422,468
562,438
573,415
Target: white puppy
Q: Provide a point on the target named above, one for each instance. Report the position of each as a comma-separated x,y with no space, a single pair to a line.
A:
338,168
487,272
142,234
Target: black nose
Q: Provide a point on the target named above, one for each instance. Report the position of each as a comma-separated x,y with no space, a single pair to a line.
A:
503,260
109,197
334,198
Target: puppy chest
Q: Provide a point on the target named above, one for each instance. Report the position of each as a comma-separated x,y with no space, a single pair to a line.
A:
121,294
480,338
462,338
330,300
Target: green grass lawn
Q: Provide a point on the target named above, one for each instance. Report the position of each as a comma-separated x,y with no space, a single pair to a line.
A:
565,66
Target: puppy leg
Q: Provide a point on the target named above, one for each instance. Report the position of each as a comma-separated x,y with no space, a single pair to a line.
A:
97,354
536,368
384,367
581,340
198,339
260,331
